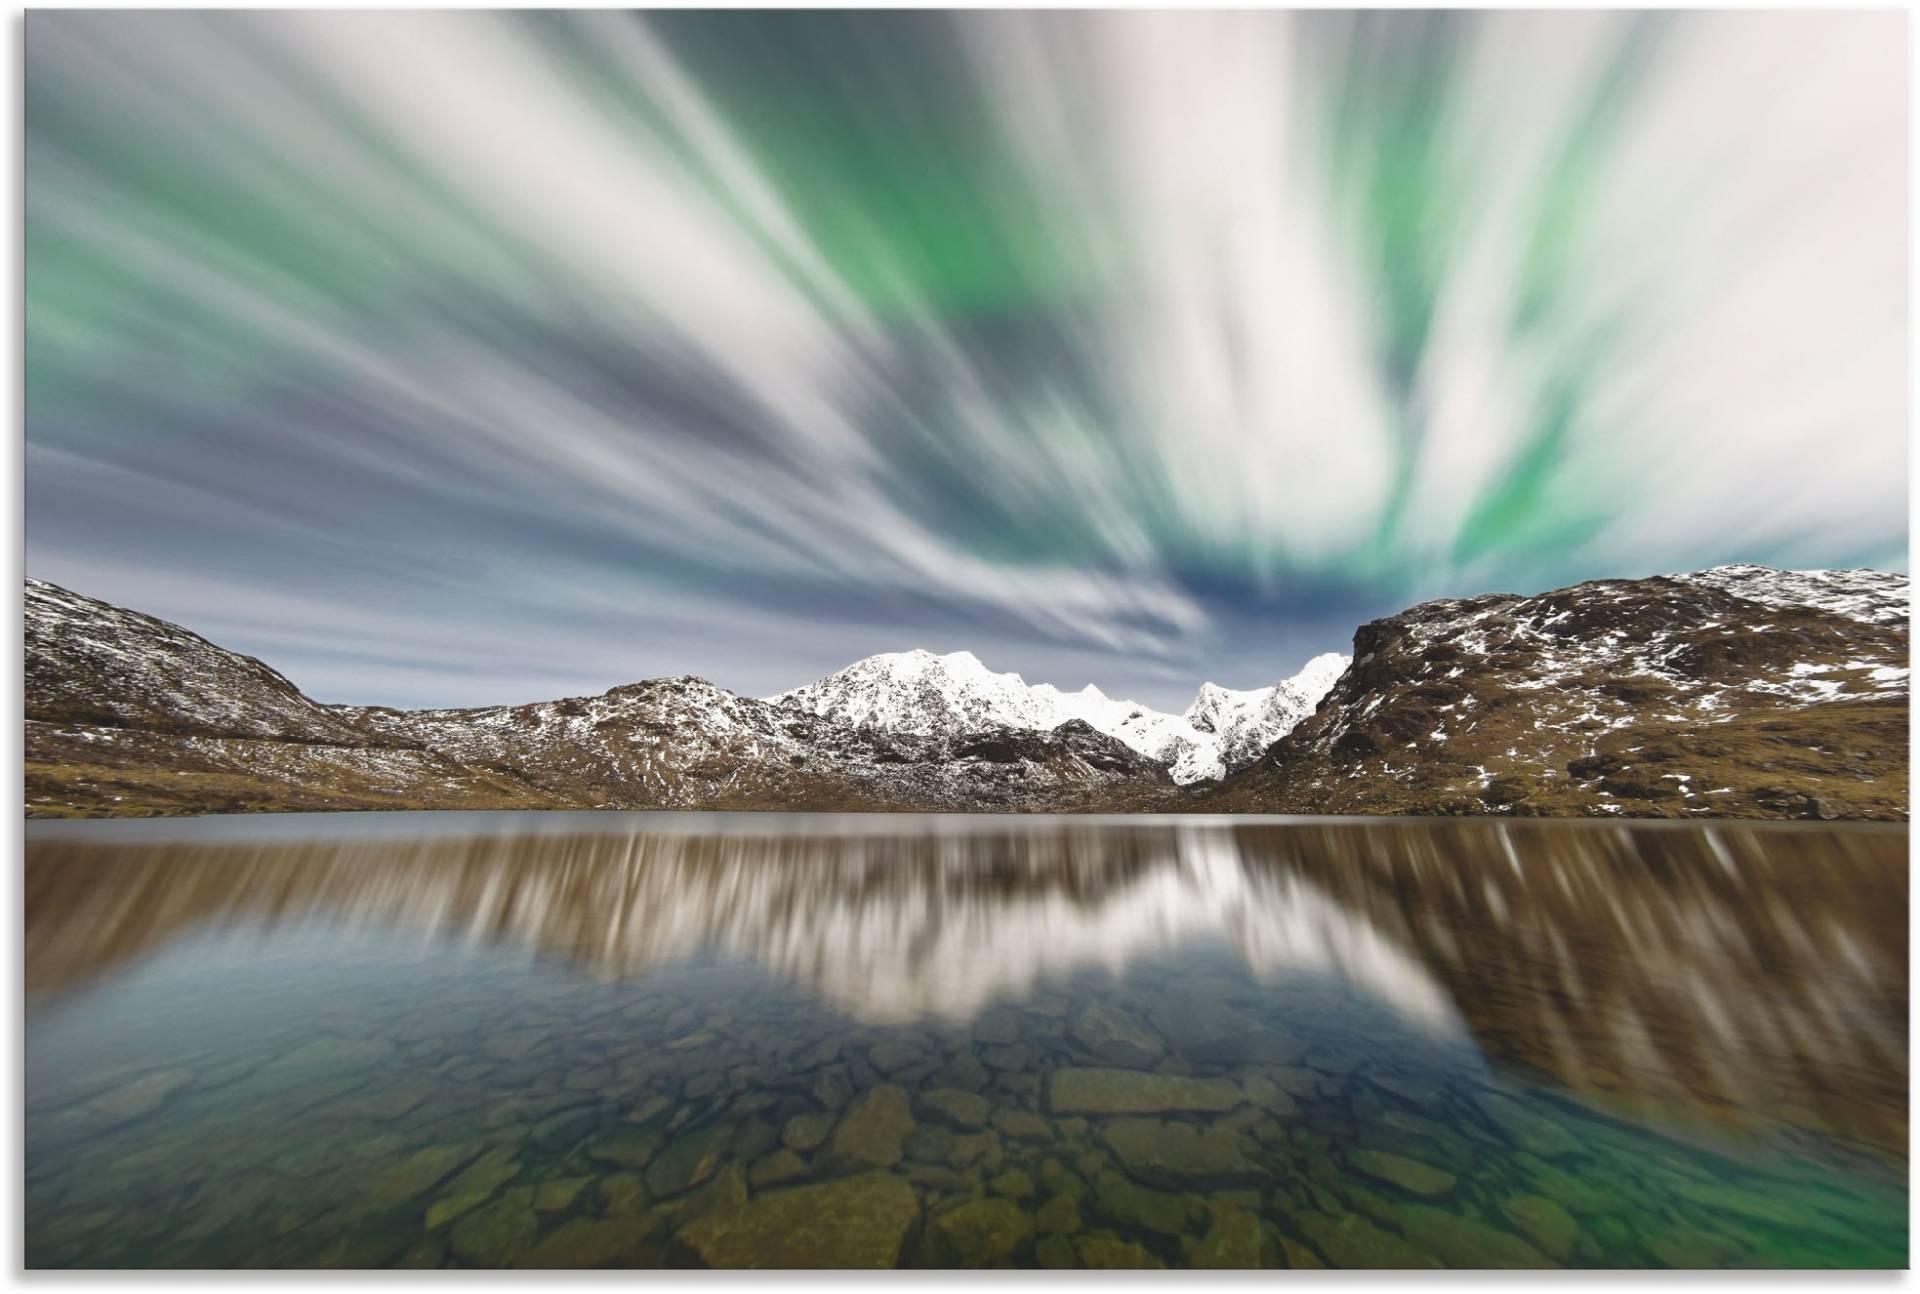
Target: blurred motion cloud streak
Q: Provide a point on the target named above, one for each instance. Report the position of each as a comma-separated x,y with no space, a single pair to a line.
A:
1132,347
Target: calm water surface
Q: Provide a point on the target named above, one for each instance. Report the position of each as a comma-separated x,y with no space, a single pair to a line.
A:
653,1039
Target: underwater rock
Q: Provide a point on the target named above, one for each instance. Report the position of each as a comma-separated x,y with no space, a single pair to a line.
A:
980,1147
806,1131
560,1131
1179,1154
384,1102
1015,1185
929,1145
889,1057
1408,1174
1352,1241
1545,1223
688,1161
1108,1253
853,1222
557,1194
627,1147
1015,1057
487,1236
963,1110
584,1243
1531,1131
622,1195
781,1166
1054,1252
1232,1241
1020,1125
871,1131
1126,1091
965,1074
1464,1241
419,1173
1059,1215
314,1071
1115,1037
648,1108
997,1027
980,1233
754,1138
1139,1207
516,1044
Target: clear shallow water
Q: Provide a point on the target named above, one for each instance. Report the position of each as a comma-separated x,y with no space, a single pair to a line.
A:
640,1040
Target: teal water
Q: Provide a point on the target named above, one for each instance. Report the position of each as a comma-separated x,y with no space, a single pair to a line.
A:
682,1040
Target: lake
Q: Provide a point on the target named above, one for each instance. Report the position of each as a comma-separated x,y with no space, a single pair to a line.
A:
615,1040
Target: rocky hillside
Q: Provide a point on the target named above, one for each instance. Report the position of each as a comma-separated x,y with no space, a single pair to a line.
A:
919,692
131,715
1739,692
1735,692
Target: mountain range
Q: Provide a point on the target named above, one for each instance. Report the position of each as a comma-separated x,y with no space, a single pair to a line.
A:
1739,691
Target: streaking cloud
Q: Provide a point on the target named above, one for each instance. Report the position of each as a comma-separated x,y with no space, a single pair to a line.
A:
452,358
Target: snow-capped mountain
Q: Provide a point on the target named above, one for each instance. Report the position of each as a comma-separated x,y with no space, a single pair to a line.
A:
130,714
919,692
1736,691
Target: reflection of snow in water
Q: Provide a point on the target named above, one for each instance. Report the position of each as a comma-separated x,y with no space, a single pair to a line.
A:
887,927
935,952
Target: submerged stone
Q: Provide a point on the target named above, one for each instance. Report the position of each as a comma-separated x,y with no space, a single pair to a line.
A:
1463,1241
872,1130
1059,1215
648,1108
1013,1185
688,1161
495,1168
1177,1154
806,1131
781,1166
981,1233
1544,1222
1527,1128
929,1145
963,1110
1139,1207
998,1027
1054,1252
1021,1125
419,1173
1115,1037
557,1194
488,1236
977,1147
622,1195
584,1243
560,1131
854,1222
1126,1091
1232,1241
142,1096
1408,1174
448,1207
889,1057
1109,1253
627,1147
1352,1241
516,1044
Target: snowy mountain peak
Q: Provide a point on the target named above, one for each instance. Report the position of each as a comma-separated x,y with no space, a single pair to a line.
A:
920,692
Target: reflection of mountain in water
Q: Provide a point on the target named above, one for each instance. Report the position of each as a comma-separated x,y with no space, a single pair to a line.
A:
1734,969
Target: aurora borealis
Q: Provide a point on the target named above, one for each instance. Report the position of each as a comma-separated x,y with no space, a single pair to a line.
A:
455,358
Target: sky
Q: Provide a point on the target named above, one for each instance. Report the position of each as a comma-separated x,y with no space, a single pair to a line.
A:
468,358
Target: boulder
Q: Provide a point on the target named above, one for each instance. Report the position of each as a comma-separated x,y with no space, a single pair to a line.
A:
1126,1091
853,1222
